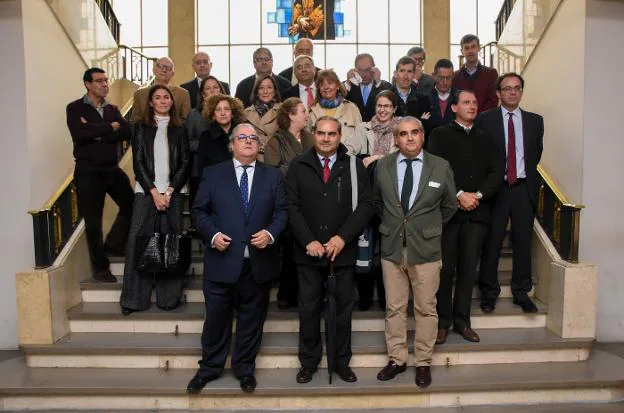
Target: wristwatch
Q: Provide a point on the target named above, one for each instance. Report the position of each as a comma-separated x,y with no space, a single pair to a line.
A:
479,195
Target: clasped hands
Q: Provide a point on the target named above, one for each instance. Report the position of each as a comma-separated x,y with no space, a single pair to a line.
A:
161,201
332,248
467,201
259,240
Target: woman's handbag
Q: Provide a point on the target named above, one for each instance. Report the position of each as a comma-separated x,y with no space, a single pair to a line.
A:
163,253
365,249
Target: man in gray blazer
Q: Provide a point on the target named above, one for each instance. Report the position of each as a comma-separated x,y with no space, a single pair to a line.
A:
417,190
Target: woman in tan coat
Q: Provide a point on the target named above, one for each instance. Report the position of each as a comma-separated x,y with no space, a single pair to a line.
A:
262,114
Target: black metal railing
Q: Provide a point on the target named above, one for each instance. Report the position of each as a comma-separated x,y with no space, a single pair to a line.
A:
127,63
503,16
487,54
54,224
109,16
559,217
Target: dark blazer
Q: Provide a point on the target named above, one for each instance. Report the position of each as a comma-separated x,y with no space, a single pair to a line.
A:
143,156
193,88
491,122
482,82
416,104
95,142
288,74
425,84
475,162
213,147
244,88
355,95
318,211
218,208
433,207
291,92
437,118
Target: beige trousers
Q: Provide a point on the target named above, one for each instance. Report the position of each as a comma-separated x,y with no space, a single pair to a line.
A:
424,280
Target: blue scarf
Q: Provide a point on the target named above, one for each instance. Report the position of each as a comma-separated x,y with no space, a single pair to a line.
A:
331,104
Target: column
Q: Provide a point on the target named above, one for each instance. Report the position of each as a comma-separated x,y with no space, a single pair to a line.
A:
181,25
436,31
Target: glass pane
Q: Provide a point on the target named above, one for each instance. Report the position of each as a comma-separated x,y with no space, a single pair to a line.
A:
345,18
463,19
372,21
380,54
488,12
282,57
340,58
241,64
128,13
212,22
455,55
276,17
155,23
155,52
220,61
245,22
405,24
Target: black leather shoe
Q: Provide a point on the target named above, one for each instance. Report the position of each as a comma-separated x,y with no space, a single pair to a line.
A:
248,384
468,334
197,383
305,374
127,311
390,371
423,376
283,304
526,304
346,374
487,306
104,276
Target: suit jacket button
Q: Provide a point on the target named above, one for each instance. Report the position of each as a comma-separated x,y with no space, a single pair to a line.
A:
324,193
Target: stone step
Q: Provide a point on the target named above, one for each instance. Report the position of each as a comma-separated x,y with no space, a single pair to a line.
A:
96,292
188,318
599,379
279,350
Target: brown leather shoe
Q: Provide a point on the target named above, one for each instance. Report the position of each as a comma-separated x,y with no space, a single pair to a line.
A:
441,337
390,371
468,334
105,276
423,376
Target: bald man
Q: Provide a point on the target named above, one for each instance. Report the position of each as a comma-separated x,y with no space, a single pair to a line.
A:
202,65
163,70
302,47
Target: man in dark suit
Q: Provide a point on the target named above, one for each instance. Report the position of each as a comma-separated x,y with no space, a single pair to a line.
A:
263,63
326,229
305,87
303,47
423,82
417,190
475,76
442,97
363,84
478,175
240,210
97,128
519,136
411,102
202,67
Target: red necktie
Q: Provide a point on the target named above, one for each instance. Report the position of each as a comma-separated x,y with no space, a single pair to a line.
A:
511,151
325,170
310,97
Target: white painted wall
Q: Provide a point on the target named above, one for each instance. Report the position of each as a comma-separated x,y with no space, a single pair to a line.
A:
602,227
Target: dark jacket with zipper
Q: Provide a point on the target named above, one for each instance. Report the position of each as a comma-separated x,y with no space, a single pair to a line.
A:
143,156
317,211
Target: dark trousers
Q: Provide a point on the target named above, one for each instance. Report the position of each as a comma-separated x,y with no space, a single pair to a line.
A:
311,297
461,248
193,188
366,284
511,203
288,288
252,305
91,188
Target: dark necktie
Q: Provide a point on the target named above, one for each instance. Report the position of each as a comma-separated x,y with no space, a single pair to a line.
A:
325,170
408,184
244,188
511,151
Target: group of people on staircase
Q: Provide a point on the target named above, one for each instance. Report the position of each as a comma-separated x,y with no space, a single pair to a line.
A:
298,166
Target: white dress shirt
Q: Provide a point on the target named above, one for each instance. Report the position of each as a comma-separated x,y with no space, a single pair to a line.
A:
303,93
416,172
517,120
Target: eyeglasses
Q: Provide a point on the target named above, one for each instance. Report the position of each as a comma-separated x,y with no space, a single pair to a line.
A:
104,81
242,137
364,71
263,59
202,62
508,89
164,68
418,59
381,106
444,78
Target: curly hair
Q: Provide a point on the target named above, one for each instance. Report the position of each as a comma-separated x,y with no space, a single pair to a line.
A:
210,104
288,107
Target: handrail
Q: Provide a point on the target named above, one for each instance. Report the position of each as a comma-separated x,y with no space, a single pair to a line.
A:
503,16
559,217
111,19
127,63
483,55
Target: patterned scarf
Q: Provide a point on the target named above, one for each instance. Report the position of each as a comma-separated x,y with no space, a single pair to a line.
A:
262,108
331,104
384,139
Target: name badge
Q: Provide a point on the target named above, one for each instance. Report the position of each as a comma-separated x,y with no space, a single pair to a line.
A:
434,184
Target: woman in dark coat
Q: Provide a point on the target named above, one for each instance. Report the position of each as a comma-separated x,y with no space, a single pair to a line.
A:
161,166
290,140
225,112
